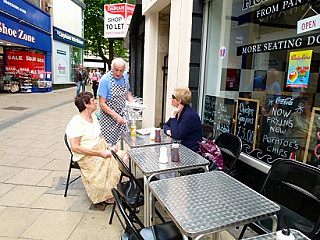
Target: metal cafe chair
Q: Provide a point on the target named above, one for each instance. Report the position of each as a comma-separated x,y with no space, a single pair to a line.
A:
72,164
295,186
164,231
207,131
131,191
230,146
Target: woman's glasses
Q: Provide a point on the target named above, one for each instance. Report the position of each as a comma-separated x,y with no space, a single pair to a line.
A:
173,96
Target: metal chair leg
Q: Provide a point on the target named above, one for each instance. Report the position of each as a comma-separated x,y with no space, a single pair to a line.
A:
112,213
67,183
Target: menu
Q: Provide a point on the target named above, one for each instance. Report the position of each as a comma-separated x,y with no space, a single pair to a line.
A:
247,120
285,123
312,156
219,112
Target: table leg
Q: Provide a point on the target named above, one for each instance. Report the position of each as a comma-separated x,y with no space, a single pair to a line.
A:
146,201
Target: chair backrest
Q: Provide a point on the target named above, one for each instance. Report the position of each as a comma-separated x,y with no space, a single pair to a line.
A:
125,171
230,146
122,205
207,131
296,187
67,144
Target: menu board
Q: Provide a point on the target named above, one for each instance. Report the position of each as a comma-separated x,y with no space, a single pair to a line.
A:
285,124
209,110
218,112
312,156
247,120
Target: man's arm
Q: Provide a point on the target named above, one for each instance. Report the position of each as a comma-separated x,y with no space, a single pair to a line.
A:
109,111
130,97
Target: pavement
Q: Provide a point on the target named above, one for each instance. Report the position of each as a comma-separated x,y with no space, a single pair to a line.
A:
33,168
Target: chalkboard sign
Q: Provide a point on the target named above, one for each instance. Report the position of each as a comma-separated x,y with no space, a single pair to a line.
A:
285,124
209,110
312,156
247,120
218,112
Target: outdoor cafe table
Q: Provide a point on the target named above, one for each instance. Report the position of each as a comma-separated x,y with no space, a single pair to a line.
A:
272,236
210,202
147,160
143,140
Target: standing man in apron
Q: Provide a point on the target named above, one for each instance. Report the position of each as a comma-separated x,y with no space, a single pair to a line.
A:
113,92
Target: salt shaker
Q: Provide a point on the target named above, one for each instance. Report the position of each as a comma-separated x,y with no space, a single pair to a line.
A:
163,158
175,157
158,135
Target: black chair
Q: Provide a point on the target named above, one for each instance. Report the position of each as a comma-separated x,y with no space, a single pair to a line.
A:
72,164
295,186
131,191
207,131
230,146
164,231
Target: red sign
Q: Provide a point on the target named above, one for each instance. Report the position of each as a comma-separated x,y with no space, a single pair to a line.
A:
26,61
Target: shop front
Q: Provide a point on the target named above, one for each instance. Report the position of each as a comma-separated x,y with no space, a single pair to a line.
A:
68,54
25,48
261,75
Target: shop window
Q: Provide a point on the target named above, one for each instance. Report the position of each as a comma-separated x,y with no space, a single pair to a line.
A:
267,60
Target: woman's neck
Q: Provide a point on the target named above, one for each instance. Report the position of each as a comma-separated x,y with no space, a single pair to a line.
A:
86,115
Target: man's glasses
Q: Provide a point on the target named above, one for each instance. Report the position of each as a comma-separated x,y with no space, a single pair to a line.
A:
173,96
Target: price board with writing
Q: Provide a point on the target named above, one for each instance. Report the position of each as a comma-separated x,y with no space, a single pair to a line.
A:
218,112
247,120
312,156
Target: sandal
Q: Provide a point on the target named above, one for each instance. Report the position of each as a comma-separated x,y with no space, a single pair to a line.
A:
110,200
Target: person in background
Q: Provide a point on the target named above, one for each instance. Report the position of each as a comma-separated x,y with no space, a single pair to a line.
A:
99,170
184,124
113,92
81,77
95,84
98,74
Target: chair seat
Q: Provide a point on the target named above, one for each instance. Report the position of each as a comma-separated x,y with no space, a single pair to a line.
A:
131,192
165,231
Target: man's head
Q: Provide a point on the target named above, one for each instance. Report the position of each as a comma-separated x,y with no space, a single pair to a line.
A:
80,66
118,66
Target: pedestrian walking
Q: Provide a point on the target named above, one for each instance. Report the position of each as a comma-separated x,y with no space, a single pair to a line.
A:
95,84
81,78
113,92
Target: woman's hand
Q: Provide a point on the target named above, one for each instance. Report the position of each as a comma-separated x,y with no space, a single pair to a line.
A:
114,148
105,154
168,133
177,110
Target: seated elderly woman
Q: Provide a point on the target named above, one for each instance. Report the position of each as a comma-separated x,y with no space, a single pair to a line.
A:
99,170
184,124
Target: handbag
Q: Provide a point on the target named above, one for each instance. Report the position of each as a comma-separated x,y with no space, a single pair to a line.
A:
212,152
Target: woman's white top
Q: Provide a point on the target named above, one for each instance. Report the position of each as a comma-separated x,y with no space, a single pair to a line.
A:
89,133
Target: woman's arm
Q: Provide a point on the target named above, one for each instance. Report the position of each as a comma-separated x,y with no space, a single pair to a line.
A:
75,147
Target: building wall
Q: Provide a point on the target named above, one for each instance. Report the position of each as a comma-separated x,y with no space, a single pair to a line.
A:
67,15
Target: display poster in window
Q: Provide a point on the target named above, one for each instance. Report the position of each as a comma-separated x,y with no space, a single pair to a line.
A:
247,120
219,112
312,156
299,69
61,63
285,122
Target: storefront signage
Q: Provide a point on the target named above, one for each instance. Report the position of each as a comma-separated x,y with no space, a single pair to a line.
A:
28,12
17,33
265,11
247,120
282,44
251,3
63,36
117,18
26,61
299,69
308,24
61,63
